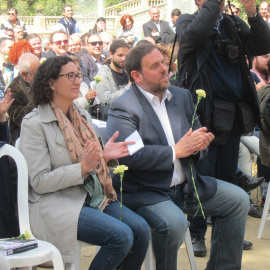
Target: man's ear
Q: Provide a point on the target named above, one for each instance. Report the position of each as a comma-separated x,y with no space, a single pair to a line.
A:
24,74
136,75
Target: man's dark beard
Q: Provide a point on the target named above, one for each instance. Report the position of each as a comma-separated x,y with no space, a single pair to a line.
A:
263,71
117,65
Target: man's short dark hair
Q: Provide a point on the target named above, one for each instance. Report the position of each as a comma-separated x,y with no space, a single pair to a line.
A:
133,60
64,7
32,35
84,38
14,9
176,12
116,44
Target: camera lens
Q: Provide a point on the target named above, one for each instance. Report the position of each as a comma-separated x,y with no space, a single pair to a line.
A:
232,52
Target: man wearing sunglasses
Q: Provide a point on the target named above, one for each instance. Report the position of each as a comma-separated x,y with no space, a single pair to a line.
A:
12,22
59,43
93,60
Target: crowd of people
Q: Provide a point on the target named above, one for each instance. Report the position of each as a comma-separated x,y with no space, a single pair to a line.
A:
144,81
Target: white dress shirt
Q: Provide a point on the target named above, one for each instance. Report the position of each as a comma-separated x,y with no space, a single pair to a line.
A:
161,111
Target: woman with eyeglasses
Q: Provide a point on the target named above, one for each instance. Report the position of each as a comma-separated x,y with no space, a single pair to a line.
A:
71,195
128,30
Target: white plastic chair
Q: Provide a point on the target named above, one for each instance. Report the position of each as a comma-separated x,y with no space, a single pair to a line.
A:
150,261
45,251
265,213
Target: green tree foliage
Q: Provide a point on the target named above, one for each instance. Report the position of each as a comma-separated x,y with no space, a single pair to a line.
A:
108,3
54,7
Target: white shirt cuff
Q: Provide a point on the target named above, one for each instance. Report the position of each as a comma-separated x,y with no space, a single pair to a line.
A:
173,155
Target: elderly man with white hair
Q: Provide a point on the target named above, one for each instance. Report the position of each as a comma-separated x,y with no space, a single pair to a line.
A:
20,89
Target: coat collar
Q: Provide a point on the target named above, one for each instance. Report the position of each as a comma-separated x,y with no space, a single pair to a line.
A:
47,115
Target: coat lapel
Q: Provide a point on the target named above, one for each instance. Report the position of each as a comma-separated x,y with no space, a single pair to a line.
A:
150,113
174,112
154,26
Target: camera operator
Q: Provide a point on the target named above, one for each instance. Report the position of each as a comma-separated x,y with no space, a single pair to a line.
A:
213,46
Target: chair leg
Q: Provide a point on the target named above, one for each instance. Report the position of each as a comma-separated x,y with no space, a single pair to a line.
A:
190,251
150,260
265,213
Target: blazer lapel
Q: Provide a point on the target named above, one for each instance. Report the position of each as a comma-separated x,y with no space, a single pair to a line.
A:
174,113
152,116
154,26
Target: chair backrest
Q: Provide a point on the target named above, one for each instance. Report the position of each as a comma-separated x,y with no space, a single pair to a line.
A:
22,171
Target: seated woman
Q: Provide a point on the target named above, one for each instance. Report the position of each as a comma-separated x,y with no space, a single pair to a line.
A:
128,30
71,195
86,95
100,25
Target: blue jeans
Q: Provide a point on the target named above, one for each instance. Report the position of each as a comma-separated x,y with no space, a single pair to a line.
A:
122,243
229,205
221,163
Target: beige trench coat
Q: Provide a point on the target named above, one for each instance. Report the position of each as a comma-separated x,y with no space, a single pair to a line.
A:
56,193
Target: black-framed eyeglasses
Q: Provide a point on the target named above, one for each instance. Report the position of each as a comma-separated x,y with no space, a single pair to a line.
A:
94,43
59,42
72,76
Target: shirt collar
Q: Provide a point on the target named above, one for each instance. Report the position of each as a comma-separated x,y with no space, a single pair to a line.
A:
96,61
218,22
151,98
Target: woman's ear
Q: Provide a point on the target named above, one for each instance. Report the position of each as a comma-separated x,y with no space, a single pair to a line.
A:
51,85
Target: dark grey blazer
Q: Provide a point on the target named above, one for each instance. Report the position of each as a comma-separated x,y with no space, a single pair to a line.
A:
151,168
89,65
166,34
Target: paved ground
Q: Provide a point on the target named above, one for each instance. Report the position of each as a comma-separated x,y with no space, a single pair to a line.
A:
255,259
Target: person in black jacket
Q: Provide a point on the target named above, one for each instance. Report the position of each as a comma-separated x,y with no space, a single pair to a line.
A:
8,222
213,46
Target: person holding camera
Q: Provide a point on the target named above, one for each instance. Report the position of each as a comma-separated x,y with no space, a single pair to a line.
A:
213,47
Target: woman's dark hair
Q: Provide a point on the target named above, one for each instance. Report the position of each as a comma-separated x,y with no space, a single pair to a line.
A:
41,86
100,19
124,18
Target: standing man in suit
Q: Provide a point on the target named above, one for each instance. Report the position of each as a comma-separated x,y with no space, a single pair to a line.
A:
158,184
159,30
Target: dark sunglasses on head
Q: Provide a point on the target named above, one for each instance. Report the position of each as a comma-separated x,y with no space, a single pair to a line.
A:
59,42
94,43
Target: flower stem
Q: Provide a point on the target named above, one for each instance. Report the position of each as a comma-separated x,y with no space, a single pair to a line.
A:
193,118
121,189
196,193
